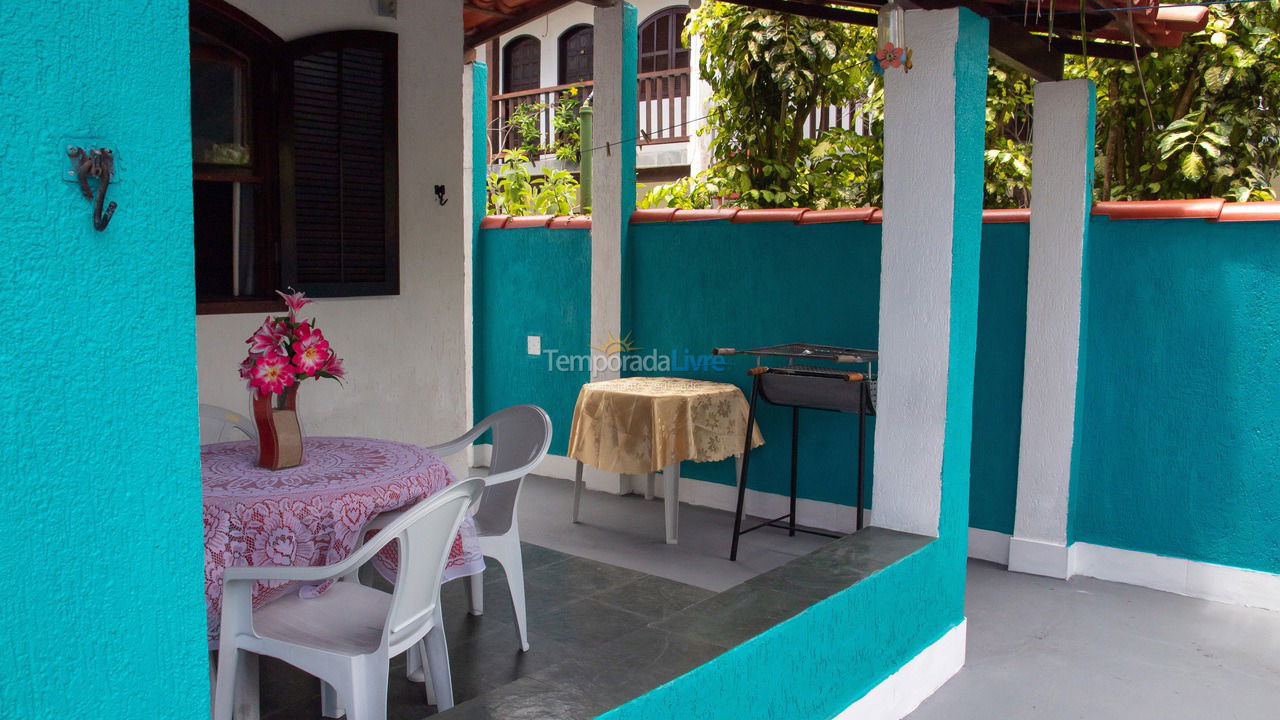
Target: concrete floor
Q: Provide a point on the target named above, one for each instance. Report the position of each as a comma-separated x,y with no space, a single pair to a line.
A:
1038,648
1085,648
628,531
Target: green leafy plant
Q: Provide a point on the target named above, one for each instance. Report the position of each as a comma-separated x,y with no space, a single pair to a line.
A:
515,190
1212,128
523,123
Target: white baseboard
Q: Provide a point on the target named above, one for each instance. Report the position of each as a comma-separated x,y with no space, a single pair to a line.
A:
1037,557
989,545
1177,575
903,691
812,513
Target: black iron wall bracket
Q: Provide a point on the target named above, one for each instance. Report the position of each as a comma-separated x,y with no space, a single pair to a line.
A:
99,164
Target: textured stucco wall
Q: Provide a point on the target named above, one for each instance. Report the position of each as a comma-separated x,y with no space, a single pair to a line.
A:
103,613
700,285
824,659
548,29
531,282
1062,188
1179,435
997,396
613,177
404,354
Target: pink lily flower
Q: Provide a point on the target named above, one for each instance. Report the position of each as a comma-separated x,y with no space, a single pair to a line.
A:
272,373
295,299
266,338
333,366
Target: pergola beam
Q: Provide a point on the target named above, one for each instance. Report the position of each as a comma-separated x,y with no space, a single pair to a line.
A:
514,22
821,12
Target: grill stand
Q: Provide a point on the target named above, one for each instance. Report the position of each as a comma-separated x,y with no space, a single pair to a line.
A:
791,528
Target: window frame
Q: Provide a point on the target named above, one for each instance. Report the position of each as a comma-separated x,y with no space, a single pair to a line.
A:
562,58
387,43
674,35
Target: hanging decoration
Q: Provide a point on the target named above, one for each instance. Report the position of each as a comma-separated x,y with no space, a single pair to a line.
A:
891,40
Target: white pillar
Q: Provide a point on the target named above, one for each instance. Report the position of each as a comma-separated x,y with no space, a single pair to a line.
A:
699,96
1061,189
613,169
934,124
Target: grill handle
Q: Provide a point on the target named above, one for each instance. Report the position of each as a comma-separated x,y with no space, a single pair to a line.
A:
724,351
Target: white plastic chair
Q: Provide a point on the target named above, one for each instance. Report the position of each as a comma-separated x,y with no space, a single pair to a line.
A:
348,635
215,421
521,436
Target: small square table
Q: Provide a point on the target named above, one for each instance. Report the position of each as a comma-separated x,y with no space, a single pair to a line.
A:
642,425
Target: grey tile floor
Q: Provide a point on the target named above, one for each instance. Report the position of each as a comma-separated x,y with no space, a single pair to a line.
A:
1038,648
576,607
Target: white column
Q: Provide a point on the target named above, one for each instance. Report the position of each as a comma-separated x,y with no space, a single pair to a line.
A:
613,169
699,95
928,282
1061,187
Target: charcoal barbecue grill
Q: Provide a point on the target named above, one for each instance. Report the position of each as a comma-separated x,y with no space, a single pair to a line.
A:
816,387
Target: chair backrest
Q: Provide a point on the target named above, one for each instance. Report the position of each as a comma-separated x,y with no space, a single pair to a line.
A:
426,533
218,424
521,436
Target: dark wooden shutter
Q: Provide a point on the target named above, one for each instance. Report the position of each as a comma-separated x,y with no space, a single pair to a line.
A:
577,50
339,166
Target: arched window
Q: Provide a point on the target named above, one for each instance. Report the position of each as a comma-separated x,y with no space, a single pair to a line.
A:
576,48
661,44
522,64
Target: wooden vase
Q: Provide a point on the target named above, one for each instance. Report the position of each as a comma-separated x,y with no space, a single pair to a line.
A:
279,434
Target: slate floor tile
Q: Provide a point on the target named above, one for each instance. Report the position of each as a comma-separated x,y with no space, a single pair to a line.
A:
653,597
735,615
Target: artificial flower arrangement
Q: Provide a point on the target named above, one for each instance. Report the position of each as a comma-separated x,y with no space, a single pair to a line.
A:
284,351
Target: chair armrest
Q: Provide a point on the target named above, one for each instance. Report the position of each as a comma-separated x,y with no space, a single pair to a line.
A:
288,574
458,444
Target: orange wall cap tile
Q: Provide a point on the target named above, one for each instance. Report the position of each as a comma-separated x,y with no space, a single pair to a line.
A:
697,215
1006,215
653,215
529,221
836,215
1250,212
493,222
765,215
1206,209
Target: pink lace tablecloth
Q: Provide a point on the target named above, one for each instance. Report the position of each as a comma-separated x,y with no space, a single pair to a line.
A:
311,514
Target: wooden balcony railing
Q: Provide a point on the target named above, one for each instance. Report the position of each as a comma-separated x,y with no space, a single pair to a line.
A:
504,135
663,99
662,105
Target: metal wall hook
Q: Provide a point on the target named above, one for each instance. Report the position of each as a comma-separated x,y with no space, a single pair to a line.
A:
98,164
440,195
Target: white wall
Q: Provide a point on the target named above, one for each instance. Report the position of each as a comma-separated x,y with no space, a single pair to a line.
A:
548,28
404,354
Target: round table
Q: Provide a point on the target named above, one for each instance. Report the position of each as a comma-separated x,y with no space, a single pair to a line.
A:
312,514
639,425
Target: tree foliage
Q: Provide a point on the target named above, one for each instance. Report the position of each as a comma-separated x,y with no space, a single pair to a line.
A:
769,72
1211,129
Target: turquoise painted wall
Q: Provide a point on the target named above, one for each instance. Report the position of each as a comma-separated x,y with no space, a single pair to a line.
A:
997,402
700,285
722,268
1179,447
819,662
103,574
531,282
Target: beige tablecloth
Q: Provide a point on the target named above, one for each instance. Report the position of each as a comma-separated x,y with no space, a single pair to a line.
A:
642,424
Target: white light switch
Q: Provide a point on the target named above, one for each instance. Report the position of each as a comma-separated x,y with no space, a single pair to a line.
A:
535,344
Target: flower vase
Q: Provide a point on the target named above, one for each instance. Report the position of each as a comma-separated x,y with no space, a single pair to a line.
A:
279,434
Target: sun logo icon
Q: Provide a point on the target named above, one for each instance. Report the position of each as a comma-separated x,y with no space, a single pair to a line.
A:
617,345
